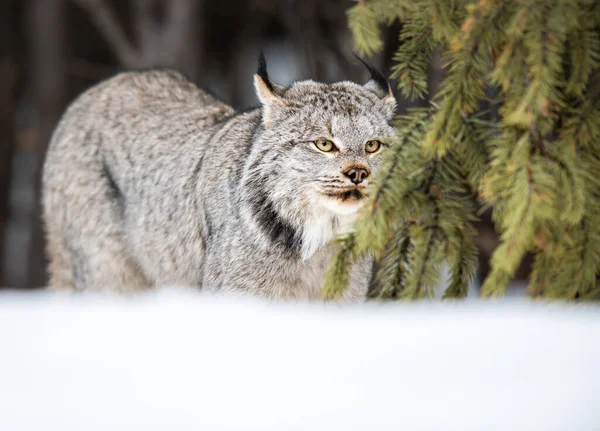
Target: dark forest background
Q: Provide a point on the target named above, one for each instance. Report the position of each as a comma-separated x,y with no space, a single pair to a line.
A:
52,50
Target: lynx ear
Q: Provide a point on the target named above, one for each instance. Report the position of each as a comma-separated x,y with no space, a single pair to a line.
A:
377,83
264,90
380,86
387,105
267,92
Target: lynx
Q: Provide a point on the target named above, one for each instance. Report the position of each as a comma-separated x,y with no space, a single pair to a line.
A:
151,181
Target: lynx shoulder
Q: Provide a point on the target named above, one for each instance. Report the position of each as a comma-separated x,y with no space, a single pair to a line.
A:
151,181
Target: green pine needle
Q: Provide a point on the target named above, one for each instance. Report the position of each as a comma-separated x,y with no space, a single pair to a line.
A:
534,160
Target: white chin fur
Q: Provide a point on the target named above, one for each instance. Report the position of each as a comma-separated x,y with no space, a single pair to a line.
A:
341,208
320,229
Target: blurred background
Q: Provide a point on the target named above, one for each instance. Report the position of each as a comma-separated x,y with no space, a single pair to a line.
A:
52,50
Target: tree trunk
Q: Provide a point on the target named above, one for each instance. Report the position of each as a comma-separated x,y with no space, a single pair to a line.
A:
8,75
167,33
7,146
49,86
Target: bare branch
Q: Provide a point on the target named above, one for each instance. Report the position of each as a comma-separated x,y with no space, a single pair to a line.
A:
181,20
148,31
180,35
107,23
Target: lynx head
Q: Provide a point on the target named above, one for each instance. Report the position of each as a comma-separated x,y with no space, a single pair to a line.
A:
319,145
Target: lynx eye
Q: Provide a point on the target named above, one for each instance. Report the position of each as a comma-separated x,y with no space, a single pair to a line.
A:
372,146
324,145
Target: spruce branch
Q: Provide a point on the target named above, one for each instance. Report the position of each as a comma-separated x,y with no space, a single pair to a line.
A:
463,262
535,162
413,128
391,278
413,58
584,54
394,194
338,275
425,260
464,87
363,21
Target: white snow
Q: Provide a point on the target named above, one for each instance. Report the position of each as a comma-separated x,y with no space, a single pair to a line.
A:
176,360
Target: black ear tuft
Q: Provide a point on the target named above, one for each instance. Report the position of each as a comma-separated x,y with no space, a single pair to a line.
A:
262,70
375,75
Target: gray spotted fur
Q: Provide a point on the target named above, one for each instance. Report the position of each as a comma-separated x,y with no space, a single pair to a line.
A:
151,181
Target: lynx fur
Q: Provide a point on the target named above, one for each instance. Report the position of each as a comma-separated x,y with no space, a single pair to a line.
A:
150,181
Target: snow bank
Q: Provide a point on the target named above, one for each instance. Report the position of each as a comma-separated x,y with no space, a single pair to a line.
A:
181,361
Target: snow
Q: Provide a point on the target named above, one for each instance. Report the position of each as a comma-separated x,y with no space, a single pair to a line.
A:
180,360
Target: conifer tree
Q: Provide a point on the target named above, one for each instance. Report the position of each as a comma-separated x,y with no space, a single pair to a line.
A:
537,165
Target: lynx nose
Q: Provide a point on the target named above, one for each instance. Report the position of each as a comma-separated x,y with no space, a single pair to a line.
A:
356,175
